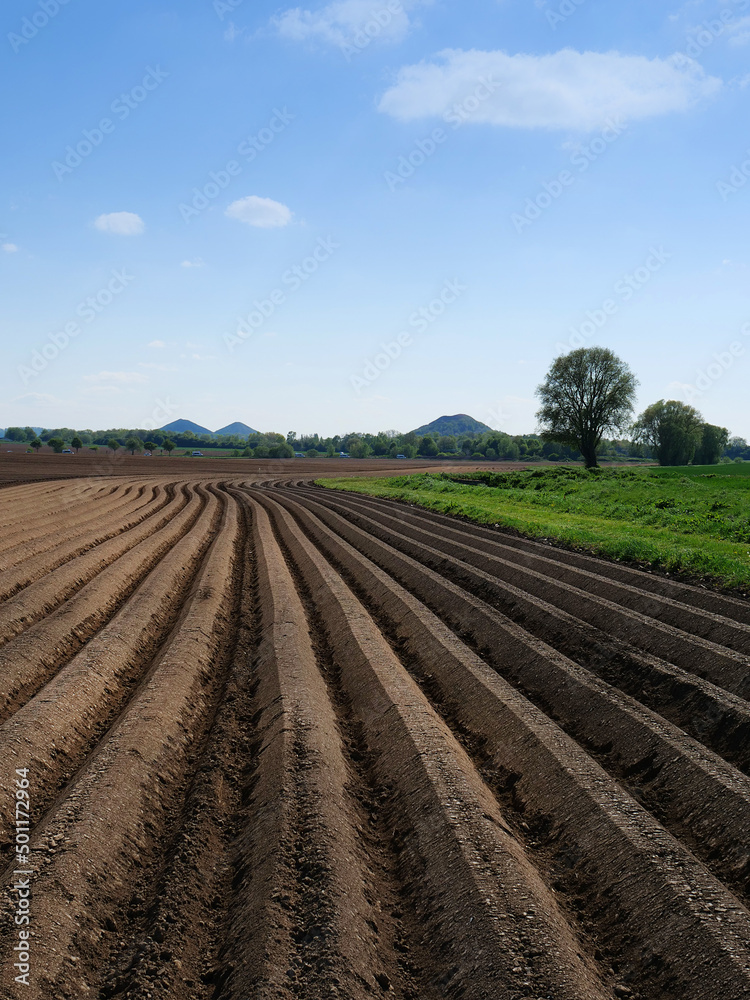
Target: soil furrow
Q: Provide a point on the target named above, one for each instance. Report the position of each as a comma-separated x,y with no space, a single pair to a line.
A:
290,744
54,731
37,505
74,558
303,917
697,794
128,788
24,542
32,658
643,578
534,600
611,828
710,625
491,923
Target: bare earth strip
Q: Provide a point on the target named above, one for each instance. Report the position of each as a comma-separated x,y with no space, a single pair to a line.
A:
293,744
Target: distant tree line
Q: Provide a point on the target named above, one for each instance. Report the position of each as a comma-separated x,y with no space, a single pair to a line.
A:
669,432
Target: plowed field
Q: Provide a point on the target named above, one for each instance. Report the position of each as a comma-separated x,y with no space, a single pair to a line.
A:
282,742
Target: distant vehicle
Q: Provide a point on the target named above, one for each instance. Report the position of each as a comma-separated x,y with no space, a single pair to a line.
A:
147,454
343,454
67,451
300,454
400,456
197,454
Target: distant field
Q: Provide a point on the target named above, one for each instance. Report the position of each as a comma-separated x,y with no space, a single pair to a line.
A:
694,521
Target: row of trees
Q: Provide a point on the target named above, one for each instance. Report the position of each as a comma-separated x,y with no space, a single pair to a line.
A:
591,391
587,395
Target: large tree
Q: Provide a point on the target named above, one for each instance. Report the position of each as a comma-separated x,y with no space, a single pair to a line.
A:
712,445
673,430
586,394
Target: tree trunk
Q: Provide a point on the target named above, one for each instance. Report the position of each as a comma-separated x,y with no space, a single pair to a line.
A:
589,455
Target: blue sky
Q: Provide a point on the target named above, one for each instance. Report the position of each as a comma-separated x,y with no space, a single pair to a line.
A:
363,214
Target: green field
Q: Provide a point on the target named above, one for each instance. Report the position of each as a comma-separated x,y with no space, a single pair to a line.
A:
691,521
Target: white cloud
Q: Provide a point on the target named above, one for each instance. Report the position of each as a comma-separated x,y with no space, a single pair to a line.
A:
156,344
120,223
10,248
195,262
116,377
341,23
262,212
563,90
37,398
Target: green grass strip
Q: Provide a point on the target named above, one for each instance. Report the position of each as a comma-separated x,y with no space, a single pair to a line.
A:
692,524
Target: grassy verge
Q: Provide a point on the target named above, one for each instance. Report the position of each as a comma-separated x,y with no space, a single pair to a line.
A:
691,521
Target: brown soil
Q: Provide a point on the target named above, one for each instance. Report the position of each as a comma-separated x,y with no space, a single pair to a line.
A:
293,744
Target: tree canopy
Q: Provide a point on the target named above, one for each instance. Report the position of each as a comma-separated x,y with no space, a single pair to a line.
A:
586,394
673,430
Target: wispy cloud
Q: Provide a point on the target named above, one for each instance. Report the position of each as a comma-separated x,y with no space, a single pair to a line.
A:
265,213
338,23
120,223
565,90
120,378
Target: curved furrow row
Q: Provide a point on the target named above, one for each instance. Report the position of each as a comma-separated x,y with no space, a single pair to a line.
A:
535,600
117,809
606,830
654,583
500,557
301,918
287,743
56,587
63,541
33,502
695,793
489,921
53,732
34,535
32,658
715,717
85,549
